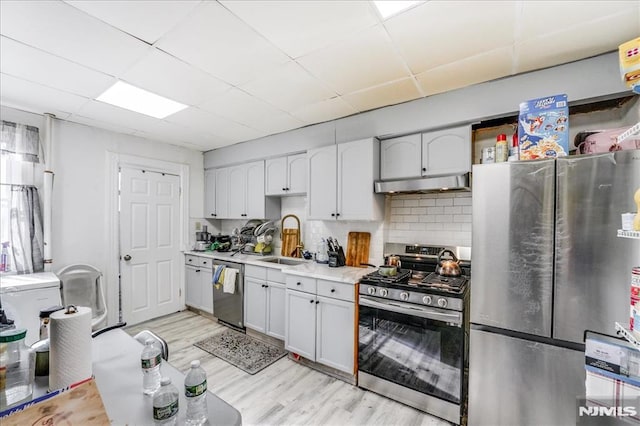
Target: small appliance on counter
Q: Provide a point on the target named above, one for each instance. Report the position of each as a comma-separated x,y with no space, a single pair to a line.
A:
203,240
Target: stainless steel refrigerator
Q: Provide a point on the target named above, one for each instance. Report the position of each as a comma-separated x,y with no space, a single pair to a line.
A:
546,265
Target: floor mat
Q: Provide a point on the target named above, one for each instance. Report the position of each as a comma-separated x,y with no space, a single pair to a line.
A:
238,349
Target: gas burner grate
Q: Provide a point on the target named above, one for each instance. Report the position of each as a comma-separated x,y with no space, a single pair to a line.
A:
377,277
440,281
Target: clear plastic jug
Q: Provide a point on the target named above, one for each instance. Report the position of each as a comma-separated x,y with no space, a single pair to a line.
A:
17,368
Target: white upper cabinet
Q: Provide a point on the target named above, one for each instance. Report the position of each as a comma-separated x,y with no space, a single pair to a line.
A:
446,151
442,152
216,182
321,199
286,175
401,157
210,194
341,181
239,193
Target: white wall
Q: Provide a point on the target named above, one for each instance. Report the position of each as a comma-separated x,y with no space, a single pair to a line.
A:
80,199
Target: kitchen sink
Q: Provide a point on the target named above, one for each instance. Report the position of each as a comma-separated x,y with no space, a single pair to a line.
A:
283,261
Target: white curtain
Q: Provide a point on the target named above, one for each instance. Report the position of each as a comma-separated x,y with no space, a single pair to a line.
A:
19,201
26,239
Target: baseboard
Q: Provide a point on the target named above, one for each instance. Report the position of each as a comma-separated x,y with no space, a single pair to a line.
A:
330,371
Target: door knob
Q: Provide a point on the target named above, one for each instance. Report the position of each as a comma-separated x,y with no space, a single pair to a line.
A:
127,257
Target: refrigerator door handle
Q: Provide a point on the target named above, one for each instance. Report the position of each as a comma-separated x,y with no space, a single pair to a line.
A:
454,318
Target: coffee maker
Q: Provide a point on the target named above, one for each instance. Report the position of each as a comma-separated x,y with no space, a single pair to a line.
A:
203,239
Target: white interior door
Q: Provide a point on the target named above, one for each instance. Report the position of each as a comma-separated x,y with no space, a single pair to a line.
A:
149,244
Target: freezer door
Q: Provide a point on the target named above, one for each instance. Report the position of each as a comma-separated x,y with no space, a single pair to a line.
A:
593,266
512,257
518,382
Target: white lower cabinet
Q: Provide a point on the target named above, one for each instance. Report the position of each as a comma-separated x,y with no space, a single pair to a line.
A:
264,301
321,328
198,286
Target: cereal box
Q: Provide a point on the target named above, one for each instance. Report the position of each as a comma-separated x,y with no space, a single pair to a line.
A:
543,128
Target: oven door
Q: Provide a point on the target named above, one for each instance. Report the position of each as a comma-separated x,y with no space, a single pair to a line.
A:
416,347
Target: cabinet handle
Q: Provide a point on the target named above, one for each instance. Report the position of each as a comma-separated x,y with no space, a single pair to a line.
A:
213,214
424,169
298,283
333,290
197,270
189,260
310,301
284,189
317,301
337,214
266,286
333,214
243,215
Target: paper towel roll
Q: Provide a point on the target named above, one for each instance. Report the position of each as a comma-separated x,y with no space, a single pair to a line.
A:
70,347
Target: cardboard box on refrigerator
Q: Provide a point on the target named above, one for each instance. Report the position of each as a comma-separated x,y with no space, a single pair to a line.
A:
543,128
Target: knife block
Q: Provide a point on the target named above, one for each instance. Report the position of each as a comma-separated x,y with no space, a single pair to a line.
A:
337,258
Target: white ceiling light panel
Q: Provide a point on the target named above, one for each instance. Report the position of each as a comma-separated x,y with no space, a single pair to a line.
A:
129,97
387,9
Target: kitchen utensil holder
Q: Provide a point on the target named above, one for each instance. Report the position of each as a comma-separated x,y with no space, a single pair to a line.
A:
337,258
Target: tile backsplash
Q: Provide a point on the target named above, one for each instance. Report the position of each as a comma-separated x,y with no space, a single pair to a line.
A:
440,219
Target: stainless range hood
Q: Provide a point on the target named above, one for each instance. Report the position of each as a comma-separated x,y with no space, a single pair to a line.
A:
424,185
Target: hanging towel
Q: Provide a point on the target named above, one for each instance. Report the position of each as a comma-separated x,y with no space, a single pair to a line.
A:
229,285
218,274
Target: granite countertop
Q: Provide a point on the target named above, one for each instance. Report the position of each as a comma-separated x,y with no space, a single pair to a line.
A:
308,268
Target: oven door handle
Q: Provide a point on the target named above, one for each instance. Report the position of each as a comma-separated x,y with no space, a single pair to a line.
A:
419,311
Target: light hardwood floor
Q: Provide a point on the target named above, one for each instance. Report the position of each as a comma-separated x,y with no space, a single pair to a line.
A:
285,393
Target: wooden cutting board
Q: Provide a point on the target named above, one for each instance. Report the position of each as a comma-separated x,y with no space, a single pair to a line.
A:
290,239
81,405
358,248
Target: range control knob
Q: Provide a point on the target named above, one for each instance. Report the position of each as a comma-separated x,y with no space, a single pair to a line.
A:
442,303
404,295
384,292
371,290
426,300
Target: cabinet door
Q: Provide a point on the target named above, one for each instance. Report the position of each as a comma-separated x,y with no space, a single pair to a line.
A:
446,151
335,337
297,174
322,183
300,324
401,157
275,172
210,193
192,292
275,309
255,303
237,195
222,193
356,198
254,192
206,288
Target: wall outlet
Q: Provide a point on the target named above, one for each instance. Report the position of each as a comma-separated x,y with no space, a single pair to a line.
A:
198,226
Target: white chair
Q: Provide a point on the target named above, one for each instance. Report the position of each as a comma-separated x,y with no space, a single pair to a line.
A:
82,285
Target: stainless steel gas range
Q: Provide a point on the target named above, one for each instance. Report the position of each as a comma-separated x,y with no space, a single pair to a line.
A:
413,340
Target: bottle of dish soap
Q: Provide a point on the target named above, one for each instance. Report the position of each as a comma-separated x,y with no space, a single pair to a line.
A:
4,258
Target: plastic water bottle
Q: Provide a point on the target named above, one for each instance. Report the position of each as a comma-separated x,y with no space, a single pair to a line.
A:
195,389
165,403
150,360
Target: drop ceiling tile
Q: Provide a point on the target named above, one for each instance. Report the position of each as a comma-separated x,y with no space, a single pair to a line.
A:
383,95
324,111
147,20
214,40
168,76
440,32
28,63
300,27
577,42
117,128
199,145
477,69
289,87
276,123
560,14
366,59
29,96
203,121
240,107
65,31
